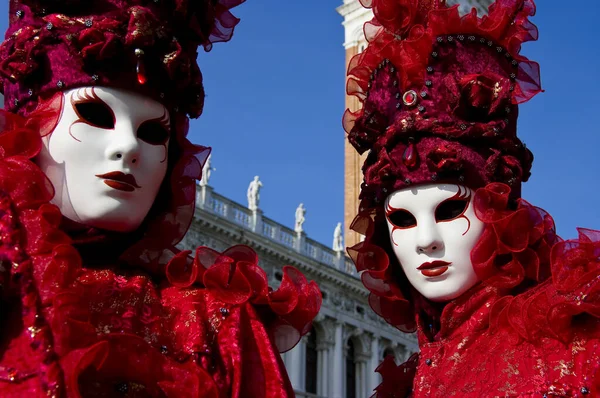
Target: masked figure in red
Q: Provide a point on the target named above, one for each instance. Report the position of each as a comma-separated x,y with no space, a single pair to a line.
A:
97,186
502,307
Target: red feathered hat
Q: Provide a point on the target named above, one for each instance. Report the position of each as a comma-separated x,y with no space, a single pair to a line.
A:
440,95
148,46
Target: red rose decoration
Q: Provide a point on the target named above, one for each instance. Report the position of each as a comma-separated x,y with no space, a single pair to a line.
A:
20,59
142,29
97,44
444,158
505,168
485,91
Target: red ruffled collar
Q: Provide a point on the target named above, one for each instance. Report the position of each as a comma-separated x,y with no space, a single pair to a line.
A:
234,277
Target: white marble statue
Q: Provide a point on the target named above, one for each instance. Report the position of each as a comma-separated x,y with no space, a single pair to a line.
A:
253,193
206,172
300,213
338,238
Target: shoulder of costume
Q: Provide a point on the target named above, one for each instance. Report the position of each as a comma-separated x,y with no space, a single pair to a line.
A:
235,278
567,304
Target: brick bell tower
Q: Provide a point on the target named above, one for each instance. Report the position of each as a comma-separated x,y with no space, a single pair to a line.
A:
355,17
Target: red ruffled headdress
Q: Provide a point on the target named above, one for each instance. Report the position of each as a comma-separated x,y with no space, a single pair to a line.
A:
439,95
145,46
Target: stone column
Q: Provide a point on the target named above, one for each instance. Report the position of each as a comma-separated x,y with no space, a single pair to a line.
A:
361,361
323,368
374,363
295,366
337,365
302,384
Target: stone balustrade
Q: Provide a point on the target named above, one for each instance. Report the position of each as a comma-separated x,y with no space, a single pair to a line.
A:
254,221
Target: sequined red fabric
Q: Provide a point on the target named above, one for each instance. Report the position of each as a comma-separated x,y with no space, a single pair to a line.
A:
533,344
146,46
446,89
158,325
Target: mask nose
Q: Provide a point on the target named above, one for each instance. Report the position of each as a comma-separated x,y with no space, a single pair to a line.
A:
429,240
125,147
430,248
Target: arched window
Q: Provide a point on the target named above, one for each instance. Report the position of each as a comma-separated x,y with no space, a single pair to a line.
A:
310,382
350,372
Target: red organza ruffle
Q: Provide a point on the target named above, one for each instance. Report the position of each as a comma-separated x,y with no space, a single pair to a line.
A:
234,277
381,274
224,22
515,245
552,309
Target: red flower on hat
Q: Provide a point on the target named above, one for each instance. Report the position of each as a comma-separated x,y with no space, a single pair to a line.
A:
486,91
505,168
98,43
444,158
21,58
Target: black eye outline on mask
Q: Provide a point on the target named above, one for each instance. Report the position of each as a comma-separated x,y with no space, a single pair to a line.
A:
400,219
91,110
156,132
455,207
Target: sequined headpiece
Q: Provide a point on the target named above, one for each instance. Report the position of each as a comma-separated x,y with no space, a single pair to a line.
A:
148,46
439,95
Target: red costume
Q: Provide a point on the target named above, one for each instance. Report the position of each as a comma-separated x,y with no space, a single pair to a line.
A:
93,313
440,96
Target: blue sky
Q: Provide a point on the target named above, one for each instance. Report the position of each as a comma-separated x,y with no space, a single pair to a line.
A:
275,98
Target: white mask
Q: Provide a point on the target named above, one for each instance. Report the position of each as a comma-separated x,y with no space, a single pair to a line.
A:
435,223
107,157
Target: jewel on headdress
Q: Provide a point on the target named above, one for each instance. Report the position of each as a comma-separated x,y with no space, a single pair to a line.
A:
140,68
409,98
410,156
